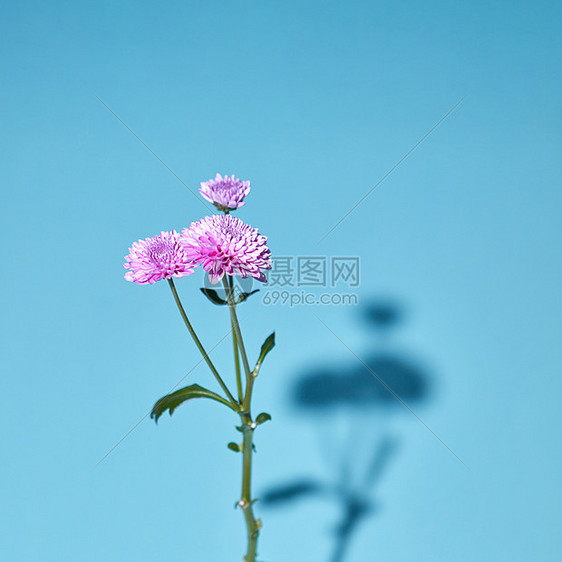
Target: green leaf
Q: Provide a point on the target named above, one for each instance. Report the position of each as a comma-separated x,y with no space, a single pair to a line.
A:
234,447
244,296
262,418
267,346
172,401
213,296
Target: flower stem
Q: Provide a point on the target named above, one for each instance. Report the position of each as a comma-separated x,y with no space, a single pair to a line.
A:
199,344
253,525
236,353
236,326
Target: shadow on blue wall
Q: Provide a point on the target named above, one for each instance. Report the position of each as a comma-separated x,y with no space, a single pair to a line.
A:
349,395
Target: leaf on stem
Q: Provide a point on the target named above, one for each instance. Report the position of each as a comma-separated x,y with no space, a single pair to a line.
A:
243,296
267,346
213,296
262,418
172,401
234,447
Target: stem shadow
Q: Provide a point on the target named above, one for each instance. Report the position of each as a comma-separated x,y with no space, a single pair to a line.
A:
354,414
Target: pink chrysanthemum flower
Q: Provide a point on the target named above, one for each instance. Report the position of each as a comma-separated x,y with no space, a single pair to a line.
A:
159,257
224,244
225,193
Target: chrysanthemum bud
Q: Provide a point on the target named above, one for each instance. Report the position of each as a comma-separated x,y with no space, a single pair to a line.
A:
226,193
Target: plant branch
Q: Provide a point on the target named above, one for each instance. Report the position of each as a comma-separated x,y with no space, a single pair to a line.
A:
252,524
199,344
236,353
246,501
236,326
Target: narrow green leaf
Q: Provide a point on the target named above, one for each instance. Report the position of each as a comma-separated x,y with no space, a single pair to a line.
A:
267,346
262,418
172,401
244,296
213,296
234,447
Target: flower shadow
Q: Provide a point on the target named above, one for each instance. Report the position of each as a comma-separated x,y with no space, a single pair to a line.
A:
354,413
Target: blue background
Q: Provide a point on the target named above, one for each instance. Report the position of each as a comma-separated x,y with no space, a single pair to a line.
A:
314,102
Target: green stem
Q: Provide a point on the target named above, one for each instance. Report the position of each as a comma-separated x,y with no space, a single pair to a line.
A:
236,326
253,525
199,344
236,353
248,396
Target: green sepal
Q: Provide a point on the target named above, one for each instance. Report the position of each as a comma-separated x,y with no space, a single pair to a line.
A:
213,296
262,418
172,401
